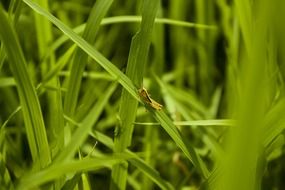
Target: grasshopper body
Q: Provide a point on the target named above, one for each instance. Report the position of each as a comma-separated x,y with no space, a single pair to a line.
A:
147,99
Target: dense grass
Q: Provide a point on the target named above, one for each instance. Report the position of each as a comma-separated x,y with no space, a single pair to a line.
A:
72,116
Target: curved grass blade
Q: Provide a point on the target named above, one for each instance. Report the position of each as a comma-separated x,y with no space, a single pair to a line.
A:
211,122
130,19
173,22
90,50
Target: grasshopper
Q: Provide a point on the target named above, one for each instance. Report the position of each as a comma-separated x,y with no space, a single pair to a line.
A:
147,99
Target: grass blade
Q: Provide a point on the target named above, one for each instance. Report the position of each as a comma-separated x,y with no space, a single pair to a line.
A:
98,11
31,110
137,61
243,151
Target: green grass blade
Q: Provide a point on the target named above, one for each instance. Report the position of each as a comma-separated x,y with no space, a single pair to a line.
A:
131,19
137,61
172,22
97,13
31,110
243,151
54,121
10,117
7,81
208,122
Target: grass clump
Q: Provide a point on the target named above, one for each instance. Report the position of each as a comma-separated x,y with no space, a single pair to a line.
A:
73,112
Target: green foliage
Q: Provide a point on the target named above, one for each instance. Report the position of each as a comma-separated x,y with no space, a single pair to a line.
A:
73,116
